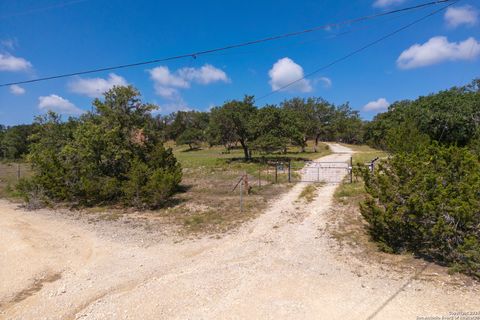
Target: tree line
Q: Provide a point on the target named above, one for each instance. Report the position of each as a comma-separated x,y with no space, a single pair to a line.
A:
14,141
266,129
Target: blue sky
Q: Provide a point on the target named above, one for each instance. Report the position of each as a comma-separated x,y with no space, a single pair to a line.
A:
46,37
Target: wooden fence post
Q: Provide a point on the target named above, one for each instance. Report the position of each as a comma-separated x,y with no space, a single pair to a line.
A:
289,171
276,172
351,169
259,176
241,196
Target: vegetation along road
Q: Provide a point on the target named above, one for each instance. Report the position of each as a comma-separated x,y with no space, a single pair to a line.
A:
281,265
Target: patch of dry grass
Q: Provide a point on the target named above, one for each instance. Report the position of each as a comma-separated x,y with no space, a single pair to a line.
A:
309,192
9,174
209,204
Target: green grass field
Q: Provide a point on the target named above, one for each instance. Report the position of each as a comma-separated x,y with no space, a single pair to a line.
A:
216,156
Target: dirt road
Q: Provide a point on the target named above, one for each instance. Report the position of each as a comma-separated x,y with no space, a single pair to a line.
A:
281,265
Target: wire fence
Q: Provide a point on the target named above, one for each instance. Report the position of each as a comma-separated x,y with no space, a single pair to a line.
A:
273,172
11,173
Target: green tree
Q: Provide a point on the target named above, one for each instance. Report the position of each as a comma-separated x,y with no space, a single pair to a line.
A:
180,121
112,154
232,122
347,125
273,129
303,124
324,113
191,136
451,117
14,141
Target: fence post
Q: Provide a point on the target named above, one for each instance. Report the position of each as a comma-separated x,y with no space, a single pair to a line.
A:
351,169
259,176
289,171
276,172
18,171
241,195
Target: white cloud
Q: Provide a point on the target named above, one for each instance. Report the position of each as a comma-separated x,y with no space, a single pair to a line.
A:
381,104
327,82
284,72
11,63
387,3
58,104
162,76
204,75
167,83
437,50
95,87
16,90
456,16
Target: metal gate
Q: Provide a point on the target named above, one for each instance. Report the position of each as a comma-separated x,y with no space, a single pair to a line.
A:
328,172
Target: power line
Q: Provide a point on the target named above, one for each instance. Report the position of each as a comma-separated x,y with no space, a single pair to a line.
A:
229,47
356,51
303,42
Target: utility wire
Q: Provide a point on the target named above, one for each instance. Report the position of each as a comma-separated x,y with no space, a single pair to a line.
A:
238,45
356,51
303,42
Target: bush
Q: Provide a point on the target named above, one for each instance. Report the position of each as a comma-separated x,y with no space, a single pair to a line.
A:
111,155
428,203
148,187
32,193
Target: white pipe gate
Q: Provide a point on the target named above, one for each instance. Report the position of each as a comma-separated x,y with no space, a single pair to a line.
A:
328,172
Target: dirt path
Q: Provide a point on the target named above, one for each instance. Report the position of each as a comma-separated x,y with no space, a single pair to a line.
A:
280,265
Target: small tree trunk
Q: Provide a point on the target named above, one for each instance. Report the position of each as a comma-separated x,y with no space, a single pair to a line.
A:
316,143
304,145
245,150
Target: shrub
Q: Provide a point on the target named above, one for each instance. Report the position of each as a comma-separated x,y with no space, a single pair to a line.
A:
32,193
428,203
110,155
